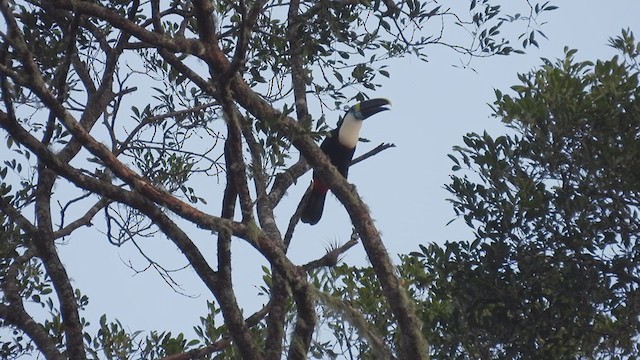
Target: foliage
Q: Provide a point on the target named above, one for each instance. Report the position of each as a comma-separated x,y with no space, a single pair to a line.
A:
553,271
118,114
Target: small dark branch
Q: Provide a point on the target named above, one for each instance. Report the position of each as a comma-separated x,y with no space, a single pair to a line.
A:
295,218
156,17
63,209
165,274
378,149
332,257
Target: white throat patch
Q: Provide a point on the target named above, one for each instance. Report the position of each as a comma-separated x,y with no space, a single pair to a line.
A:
349,132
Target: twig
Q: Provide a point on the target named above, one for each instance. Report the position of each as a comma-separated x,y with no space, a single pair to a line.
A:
378,149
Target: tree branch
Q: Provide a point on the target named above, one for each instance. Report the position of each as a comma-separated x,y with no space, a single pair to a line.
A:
16,315
295,27
47,252
378,149
84,220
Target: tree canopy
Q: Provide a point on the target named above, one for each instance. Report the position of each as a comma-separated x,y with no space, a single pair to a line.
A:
553,270
118,114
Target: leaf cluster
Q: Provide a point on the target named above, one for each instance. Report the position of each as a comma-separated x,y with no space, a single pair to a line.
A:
553,270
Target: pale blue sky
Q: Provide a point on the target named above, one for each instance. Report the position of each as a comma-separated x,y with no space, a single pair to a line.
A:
434,105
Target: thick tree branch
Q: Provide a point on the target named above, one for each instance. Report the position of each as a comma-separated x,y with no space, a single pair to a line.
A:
295,27
16,315
279,289
44,240
236,187
47,252
233,155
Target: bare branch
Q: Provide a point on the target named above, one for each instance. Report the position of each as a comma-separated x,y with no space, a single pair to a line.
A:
378,149
84,220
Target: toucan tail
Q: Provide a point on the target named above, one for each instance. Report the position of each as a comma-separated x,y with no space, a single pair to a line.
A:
312,211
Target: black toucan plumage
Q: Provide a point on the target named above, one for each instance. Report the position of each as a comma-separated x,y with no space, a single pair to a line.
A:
339,146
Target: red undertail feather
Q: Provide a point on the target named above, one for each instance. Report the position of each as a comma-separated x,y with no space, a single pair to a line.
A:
312,211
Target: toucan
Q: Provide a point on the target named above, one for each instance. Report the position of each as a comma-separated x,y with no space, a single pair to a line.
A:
339,146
